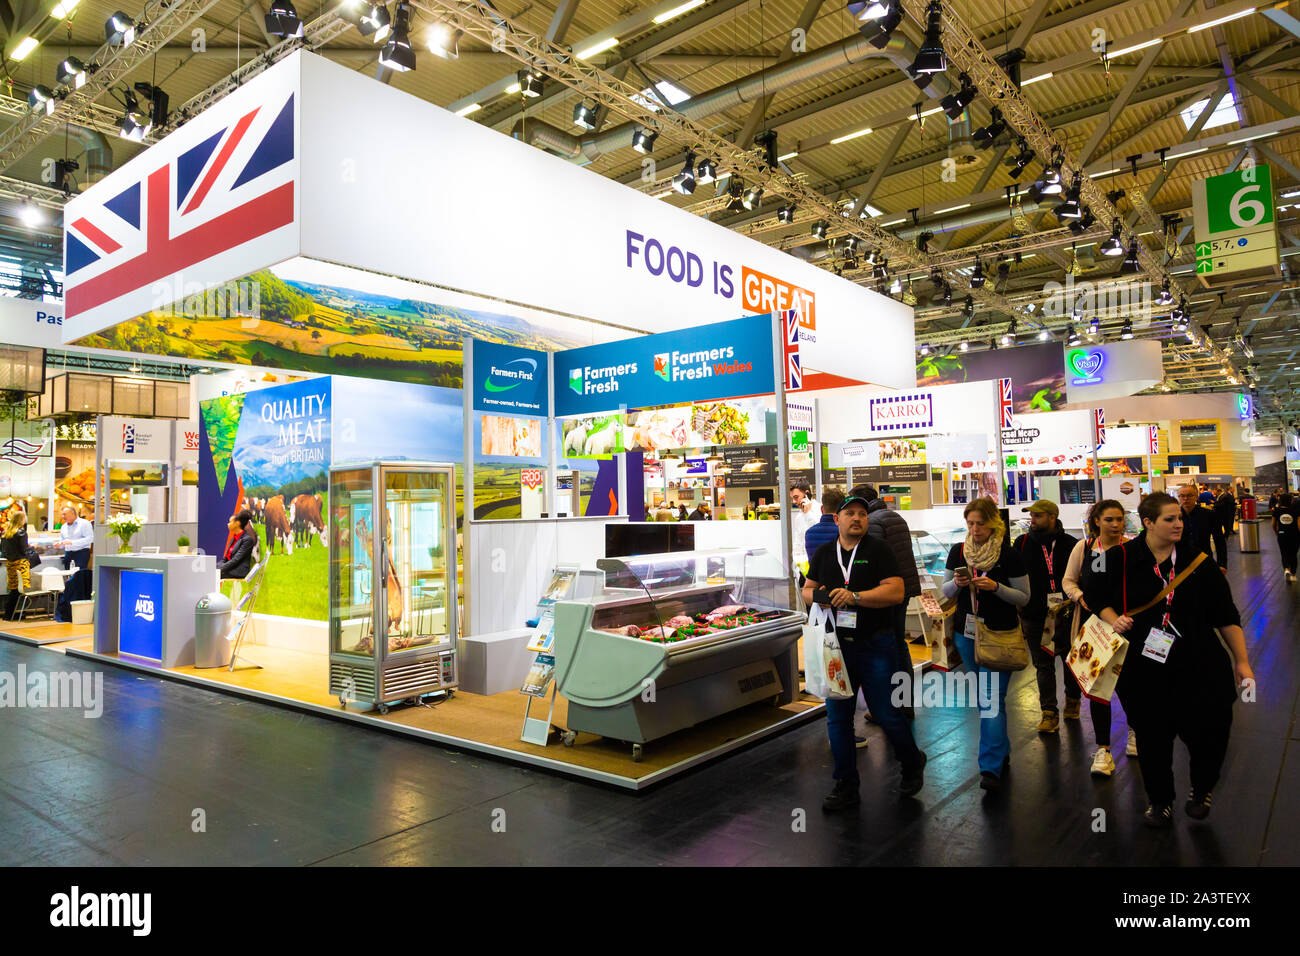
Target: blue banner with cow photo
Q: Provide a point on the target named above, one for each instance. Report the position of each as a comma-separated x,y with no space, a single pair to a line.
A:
269,451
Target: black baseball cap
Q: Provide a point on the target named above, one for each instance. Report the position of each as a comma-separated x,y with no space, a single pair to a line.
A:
850,500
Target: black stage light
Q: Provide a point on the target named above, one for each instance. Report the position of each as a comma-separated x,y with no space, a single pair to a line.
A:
1165,297
1130,264
584,116
977,277
851,244
643,140
1071,336
706,172
753,196
530,84
119,30
135,124
375,23
785,214
931,57
282,19
956,102
819,230
397,53
158,101
684,182
1126,332
1112,246
878,20
985,136
72,72
42,98
735,190
922,80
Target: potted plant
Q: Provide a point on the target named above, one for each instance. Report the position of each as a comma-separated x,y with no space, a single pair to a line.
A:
123,526
183,545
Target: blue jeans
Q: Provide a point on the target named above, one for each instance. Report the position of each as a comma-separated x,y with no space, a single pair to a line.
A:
995,745
871,662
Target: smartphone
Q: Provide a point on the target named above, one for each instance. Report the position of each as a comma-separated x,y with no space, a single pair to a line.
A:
963,572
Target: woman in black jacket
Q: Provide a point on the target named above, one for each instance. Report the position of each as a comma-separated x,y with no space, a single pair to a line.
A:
1177,680
238,559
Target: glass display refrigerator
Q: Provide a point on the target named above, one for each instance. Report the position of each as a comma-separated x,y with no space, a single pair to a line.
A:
669,641
392,581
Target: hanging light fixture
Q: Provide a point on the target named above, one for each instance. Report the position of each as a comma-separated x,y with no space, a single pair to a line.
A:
42,99
684,182
72,72
706,172
119,30
925,348
643,140
375,23
819,230
282,19
1112,246
753,196
977,277
584,116
135,124
931,58
785,214
398,53
965,345
1071,336
985,135
1165,297
1009,335
1126,332
956,102
1130,264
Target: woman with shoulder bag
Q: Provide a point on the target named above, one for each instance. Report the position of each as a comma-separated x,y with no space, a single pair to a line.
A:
1178,680
990,584
14,548
1105,531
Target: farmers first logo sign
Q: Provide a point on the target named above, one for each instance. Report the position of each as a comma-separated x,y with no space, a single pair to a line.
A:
1085,366
758,292
509,378
900,412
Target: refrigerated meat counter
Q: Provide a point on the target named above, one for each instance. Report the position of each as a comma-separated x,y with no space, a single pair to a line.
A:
669,641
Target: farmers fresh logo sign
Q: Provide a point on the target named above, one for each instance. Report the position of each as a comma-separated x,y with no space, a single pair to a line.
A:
661,366
514,373
1086,365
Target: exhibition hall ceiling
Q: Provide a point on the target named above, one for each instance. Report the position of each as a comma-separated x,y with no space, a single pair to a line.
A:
727,66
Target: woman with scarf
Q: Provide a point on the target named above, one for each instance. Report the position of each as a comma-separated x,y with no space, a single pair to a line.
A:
1105,530
242,549
996,575
1179,680
14,549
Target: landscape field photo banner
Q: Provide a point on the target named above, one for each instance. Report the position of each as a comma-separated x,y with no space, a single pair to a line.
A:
269,451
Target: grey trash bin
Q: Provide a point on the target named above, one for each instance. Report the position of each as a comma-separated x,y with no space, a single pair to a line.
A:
211,627
1248,530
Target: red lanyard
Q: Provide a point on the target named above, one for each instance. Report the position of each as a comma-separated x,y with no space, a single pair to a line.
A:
1169,599
1051,577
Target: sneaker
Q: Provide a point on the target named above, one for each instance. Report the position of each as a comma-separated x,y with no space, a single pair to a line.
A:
914,779
842,797
1198,808
989,781
860,743
1132,748
1050,723
1159,818
1103,765
1071,711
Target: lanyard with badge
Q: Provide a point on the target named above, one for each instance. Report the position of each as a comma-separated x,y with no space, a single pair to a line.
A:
972,621
1161,639
845,616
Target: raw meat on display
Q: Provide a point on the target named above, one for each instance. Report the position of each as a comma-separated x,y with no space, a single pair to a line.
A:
681,620
725,611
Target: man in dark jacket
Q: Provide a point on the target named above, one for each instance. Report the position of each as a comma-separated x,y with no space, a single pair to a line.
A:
1225,510
891,527
1199,525
825,529
1046,551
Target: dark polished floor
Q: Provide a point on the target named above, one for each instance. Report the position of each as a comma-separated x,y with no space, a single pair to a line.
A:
277,787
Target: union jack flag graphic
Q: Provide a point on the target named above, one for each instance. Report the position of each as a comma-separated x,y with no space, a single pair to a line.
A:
1005,403
231,188
1153,436
793,368
1101,426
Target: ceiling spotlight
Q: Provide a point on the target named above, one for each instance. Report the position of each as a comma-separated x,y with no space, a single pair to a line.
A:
375,23
931,57
925,348
753,196
1044,335
706,171
896,286
72,72
1165,297
1071,336
158,101
445,42
1094,326
1070,207
964,345
878,30
819,230
1085,222
282,19
946,297
1127,331
684,182
922,80
880,268
135,124
1004,270
985,135
1113,246
869,9
1009,335
1130,264
643,140
956,102
785,214
530,83
398,53
42,98
119,30
851,244
977,277
584,116
31,215
735,190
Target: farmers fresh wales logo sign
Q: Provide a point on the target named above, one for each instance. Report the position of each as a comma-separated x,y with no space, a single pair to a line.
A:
1085,366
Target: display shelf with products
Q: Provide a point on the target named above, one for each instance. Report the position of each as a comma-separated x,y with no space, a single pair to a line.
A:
670,641
393,634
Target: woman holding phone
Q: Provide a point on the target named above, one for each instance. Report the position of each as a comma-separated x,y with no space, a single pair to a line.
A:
1105,531
1177,679
990,583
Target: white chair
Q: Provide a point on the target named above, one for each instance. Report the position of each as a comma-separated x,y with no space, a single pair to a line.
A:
40,591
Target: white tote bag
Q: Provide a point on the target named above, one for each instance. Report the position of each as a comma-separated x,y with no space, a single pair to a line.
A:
825,674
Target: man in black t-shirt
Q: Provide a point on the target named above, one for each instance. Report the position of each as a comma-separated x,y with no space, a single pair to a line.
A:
858,579
1045,551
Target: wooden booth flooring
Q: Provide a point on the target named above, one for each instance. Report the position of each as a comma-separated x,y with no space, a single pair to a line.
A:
40,633
286,787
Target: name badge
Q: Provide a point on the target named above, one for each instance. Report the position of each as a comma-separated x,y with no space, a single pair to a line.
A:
1157,645
971,623
845,617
